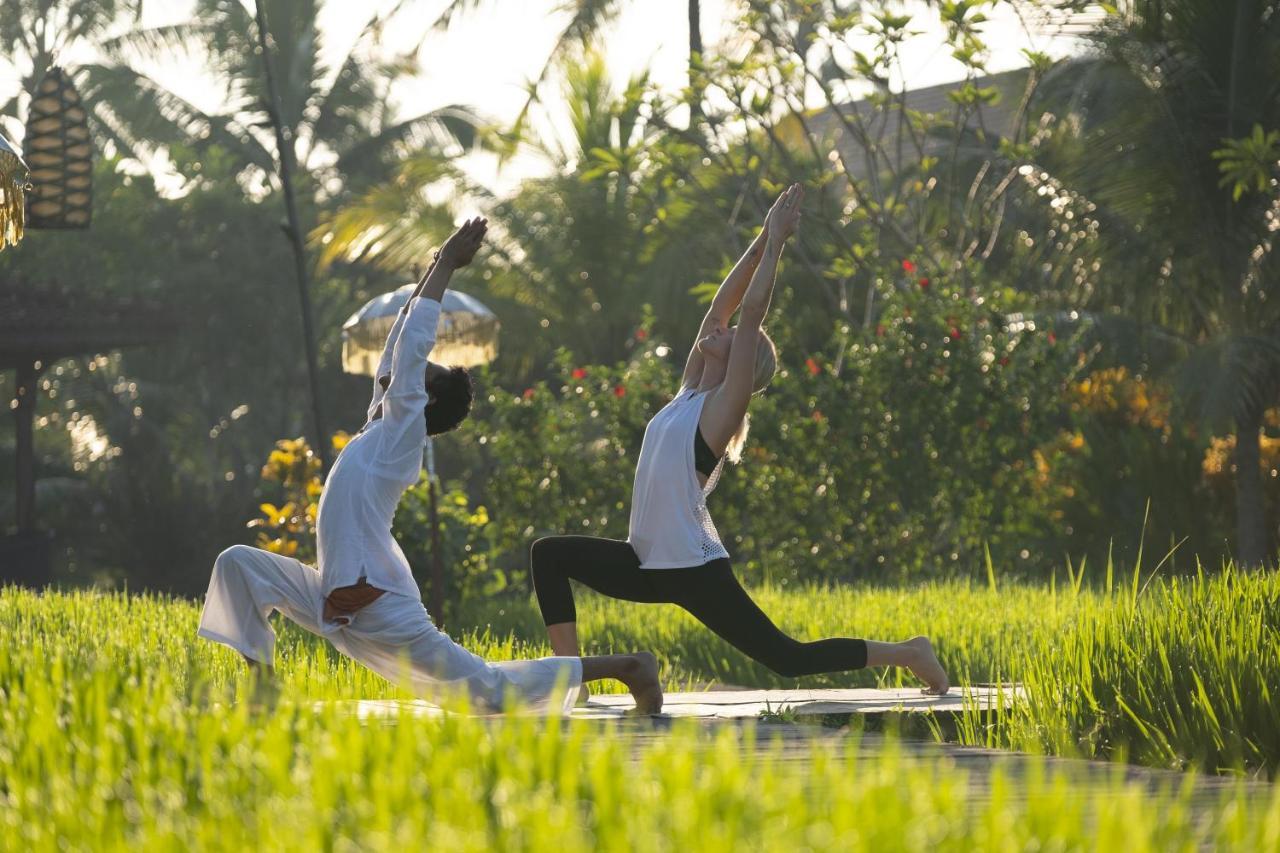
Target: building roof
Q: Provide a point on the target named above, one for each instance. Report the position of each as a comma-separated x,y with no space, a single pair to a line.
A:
49,321
883,125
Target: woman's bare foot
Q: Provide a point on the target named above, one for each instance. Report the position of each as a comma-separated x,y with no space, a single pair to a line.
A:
641,678
924,665
584,695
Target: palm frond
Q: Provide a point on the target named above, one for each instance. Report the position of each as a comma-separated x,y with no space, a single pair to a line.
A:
587,18
453,9
144,116
352,110
1230,378
437,130
174,39
392,225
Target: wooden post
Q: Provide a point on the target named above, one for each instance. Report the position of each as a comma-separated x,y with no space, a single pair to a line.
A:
24,415
1251,522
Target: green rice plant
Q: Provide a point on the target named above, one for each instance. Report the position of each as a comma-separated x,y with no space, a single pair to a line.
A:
1172,673
119,730
1169,672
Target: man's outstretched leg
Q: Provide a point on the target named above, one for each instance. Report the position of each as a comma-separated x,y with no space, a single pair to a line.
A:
396,638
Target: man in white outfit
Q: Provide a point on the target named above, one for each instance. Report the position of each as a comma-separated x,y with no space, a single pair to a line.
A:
363,597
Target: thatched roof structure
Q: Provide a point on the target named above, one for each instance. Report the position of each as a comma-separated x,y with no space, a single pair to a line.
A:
38,325
48,321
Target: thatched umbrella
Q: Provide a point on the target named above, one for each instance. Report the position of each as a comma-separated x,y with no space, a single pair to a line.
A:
467,336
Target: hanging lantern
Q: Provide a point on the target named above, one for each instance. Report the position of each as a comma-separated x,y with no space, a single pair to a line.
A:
60,154
13,181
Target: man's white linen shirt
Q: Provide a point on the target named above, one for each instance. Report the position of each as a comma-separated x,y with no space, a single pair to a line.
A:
353,525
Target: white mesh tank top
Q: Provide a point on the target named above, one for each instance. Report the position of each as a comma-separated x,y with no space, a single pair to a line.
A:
670,525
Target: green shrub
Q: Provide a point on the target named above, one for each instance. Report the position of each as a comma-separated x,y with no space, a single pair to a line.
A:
901,454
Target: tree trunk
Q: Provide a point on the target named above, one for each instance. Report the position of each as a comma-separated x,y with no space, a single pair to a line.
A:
695,30
1251,527
284,142
695,60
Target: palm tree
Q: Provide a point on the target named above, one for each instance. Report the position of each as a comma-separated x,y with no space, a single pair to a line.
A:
1172,83
35,34
568,246
340,118
586,19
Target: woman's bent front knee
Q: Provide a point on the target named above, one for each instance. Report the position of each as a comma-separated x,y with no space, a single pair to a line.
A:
544,558
543,551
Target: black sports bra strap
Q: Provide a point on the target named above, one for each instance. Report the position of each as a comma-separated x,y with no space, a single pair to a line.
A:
704,459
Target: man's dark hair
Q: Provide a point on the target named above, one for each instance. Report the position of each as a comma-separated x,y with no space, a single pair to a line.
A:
450,401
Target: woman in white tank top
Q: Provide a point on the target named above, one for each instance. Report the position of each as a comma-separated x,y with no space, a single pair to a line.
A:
673,553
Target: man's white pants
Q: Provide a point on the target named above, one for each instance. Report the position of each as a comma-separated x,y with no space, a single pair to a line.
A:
393,636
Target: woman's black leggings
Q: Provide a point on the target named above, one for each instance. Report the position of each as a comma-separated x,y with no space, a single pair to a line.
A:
710,592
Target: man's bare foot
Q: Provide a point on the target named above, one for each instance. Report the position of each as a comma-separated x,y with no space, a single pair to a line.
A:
642,680
924,665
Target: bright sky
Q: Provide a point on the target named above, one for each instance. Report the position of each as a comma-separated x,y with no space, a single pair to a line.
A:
487,56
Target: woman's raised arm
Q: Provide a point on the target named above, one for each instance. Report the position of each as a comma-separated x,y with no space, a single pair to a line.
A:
727,299
726,408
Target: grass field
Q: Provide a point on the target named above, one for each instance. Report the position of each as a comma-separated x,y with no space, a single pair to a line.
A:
118,728
1168,673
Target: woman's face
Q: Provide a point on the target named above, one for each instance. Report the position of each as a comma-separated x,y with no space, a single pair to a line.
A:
717,344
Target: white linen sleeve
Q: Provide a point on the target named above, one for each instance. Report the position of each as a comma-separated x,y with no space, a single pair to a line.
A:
384,363
404,427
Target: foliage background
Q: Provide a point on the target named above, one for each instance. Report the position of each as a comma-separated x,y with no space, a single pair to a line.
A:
982,354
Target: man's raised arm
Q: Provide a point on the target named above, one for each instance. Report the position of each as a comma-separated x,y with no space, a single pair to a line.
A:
406,397
382,376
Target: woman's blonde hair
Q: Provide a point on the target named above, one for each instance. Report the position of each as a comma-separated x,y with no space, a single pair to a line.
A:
766,366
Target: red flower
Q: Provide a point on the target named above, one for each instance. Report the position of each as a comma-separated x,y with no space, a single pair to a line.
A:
817,415
619,391
907,266
579,373
813,367
880,330
924,284
1004,361
1053,339
954,334
641,334
528,393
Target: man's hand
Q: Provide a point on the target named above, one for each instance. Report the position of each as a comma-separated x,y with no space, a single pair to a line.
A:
784,216
462,245
457,252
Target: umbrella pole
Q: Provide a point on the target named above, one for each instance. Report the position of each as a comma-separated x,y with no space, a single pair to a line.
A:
435,591
436,595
